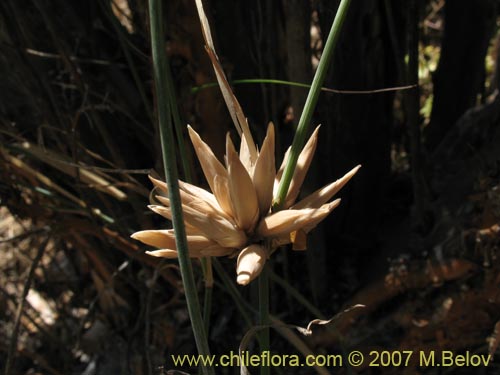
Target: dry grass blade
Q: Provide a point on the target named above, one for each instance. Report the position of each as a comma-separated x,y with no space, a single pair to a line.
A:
58,161
232,103
32,174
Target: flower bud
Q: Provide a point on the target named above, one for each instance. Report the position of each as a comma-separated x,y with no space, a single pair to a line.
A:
250,263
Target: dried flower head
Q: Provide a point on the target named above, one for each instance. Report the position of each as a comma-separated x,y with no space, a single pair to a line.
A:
236,218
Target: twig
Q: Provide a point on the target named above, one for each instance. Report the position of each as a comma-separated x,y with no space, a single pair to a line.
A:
20,307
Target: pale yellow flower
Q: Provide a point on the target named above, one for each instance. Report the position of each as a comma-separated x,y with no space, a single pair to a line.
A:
236,218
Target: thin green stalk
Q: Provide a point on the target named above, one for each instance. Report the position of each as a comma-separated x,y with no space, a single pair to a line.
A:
233,291
244,306
169,160
297,145
309,106
296,294
272,81
178,125
264,319
196,89
206,265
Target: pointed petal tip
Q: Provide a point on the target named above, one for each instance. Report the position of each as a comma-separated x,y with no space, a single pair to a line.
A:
163,200
315,132
349,175
194,136
153,180
140,235
270,128
230,149
165,253
334,204
153,253
154,207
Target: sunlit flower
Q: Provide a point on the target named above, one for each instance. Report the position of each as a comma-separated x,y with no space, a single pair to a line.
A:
236,218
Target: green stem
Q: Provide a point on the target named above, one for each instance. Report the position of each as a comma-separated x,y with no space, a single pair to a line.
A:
242,305
178,125
272,81
196,89
206,265
309,106
169,160
264,315
296,294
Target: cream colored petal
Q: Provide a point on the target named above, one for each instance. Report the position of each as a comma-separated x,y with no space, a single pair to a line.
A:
161,210
166,253
191,194
297,238
160,188
281,240
265,172
159,184
185,199
192,191
279,173
287,221
324,194
167,213
221,191
241,190
165,239
312,224
245,157
156,238
209,163
303,163
194,201
250,262
199,192
209,223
